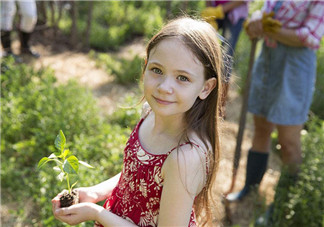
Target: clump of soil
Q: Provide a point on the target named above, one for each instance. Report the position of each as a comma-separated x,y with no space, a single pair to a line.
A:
68,199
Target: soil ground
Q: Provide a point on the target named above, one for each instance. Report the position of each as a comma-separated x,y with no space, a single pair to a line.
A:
68,64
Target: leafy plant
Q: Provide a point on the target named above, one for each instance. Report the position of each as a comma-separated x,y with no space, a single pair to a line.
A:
302,203
67,164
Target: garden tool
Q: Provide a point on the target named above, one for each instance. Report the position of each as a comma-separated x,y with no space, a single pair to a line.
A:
210,14
237,154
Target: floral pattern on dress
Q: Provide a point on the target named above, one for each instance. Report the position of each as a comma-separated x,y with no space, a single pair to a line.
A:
138,192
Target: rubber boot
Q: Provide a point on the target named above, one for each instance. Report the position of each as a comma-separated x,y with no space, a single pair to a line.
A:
24,44
255,169
6,45
6,42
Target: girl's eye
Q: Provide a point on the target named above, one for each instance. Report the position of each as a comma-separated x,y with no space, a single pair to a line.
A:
157,70
183,78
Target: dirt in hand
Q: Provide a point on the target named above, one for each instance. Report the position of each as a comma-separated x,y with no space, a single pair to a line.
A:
68,199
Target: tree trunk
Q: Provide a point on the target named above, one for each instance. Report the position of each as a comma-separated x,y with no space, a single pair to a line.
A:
52,7
184,5
57,21
74,29
42,12
168,9
88,28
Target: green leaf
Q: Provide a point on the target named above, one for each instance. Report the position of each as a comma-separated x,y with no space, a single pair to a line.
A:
66,153
71,165
42,162
60,141
86,164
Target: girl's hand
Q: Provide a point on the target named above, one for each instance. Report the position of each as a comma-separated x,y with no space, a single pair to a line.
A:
77,213
86,195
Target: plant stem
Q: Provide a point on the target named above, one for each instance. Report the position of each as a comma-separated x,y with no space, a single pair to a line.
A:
68,182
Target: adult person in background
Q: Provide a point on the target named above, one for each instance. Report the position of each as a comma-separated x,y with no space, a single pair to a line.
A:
283,81
28,19
227,16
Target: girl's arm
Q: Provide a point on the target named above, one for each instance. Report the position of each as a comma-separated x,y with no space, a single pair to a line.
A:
98,192
82,212
184,174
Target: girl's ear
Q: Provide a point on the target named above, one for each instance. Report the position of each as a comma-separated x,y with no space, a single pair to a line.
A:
209,85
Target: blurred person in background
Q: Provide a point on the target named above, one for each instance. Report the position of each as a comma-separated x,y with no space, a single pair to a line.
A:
28,19
227,16
282,86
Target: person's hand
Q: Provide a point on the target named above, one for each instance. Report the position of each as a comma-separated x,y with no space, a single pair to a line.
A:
260,24
77,213
213,13
253,26
269,24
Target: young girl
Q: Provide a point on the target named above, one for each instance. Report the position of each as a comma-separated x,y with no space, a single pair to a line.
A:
171,157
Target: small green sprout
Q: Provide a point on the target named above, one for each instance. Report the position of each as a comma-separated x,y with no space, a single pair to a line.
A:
67,164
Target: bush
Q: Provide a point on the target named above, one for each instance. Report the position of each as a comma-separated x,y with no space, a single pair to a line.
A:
128,115
125,71
115,22
318,104
302,203
34,109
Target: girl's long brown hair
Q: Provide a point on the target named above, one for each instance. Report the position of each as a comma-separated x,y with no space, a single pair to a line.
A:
202,118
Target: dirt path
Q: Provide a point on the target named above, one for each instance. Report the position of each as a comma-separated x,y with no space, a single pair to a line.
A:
76,65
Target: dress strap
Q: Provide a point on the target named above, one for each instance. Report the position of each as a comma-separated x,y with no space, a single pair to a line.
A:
192,143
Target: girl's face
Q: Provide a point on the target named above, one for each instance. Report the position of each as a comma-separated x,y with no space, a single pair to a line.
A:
174,78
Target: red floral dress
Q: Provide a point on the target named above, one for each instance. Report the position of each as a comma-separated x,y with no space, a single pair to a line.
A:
137,195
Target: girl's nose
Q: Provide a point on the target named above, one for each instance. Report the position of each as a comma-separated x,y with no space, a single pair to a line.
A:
165,86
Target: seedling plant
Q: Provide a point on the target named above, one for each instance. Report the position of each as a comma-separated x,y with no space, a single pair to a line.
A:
67,164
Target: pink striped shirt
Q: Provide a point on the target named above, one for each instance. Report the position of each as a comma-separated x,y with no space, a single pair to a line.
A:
307,17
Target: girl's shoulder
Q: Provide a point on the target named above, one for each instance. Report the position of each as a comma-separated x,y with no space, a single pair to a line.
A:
190,162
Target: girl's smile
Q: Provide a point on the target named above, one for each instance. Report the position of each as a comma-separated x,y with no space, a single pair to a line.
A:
163,102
